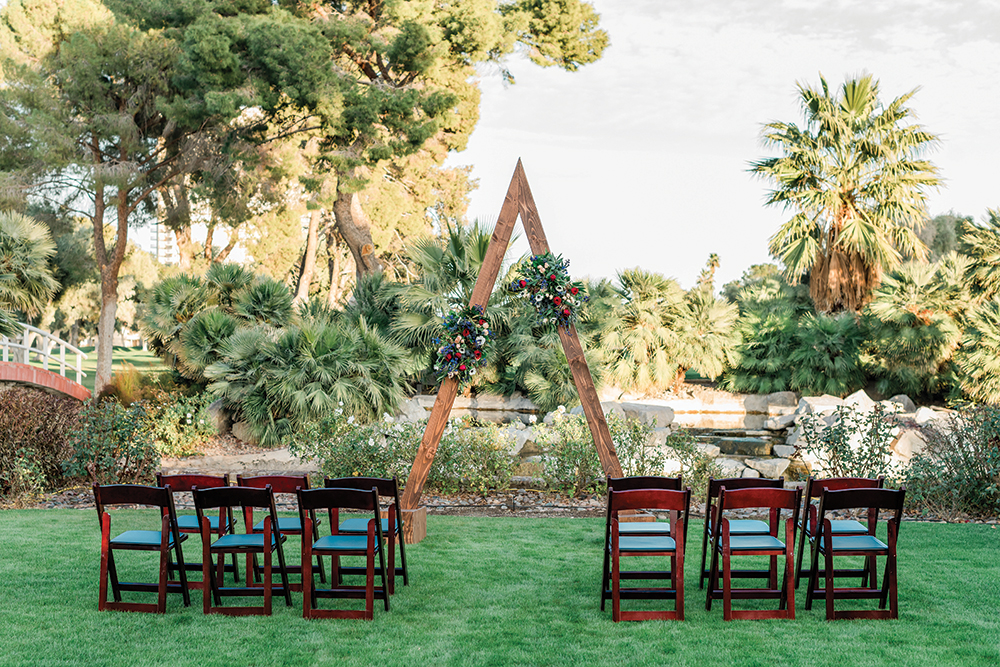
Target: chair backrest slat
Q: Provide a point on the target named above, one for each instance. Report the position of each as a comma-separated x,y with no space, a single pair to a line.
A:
645,498
815,487
759,497
388,487
186,482
883,499
645,482
279,483
233,496
343,498
131,494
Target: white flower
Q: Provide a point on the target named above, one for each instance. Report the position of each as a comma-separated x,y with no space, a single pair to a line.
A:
341,404
561,409
472,371
338,411
480,340
350,420
386,417
532,419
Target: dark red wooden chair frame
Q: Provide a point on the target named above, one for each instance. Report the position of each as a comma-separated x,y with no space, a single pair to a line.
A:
808,521
270,541
774,500
168,538
369,545
388,488
871,548
743,527
280,484
183,483
622,545
644,528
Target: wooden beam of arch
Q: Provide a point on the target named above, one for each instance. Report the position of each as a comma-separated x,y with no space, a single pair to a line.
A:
517,202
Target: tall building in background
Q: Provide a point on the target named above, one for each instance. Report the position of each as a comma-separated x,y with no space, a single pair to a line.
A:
165,244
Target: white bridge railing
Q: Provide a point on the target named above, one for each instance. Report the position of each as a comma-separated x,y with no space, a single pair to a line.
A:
41,344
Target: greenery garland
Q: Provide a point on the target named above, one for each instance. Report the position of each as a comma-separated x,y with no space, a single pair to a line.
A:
544,280
465,346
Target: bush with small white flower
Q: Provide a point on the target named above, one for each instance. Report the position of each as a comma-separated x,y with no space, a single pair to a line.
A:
544,281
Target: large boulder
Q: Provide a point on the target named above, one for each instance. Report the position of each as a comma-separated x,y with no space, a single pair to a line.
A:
411,410
905,403
861,401
769,468
779,423
220,417
907,444
814,404
782,399
241,430
658,416
730,467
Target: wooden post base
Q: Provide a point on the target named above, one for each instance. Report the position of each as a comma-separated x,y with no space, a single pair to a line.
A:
414,525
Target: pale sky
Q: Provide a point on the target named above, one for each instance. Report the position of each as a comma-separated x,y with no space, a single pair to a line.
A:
641,158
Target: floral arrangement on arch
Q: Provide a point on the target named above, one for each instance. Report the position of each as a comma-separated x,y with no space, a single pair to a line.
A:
463,349
544,280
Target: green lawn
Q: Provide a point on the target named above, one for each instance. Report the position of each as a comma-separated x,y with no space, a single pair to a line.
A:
144,361
488,591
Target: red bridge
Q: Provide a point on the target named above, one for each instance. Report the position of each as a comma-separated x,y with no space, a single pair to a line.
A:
15,353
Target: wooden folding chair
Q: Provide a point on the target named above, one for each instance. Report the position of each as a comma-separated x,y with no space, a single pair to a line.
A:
726,545
164,541
647,528
736,526
830,544
338,545
291,525
667,545
807,526
188,523
388,488
265,543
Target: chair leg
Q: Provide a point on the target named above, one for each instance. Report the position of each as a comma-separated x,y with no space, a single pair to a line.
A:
106,563
370,582
704,554
161,592
402,553
800,552
392,562
616,601
307,573
830,613
605,573
727,582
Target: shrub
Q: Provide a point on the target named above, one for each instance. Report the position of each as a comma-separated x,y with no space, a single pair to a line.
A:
696,466
571,461
470,456
179,424
856,444
33,427
112,444
826,356
959,469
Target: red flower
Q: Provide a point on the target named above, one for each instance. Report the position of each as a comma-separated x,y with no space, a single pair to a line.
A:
573,290
565,311
523,283
466,332
458,356
478,354
556,300
461,367
447,357
482,322
552,277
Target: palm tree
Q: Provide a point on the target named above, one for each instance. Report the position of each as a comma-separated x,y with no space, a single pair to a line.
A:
979,356
982,244
854,178
26,282
706,335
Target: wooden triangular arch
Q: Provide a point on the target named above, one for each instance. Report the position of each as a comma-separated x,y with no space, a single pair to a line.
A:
518,202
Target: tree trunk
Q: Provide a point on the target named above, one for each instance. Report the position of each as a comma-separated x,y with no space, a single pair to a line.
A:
333,264
185,248
208,241
355,226
108,265
309,257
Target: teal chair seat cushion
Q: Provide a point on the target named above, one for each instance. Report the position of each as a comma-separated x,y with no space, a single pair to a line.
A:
843,527
644,528
190,522
242,541
142,538
855,543
290,524
748,527
754,542
646,543
361,526
343,543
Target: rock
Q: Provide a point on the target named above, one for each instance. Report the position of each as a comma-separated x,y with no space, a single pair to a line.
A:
750,472
922,415
824,403
612,408
860,400
793,436
904,400
745,446
659,416
671,467
784,451
411,411
220,417
769,468
909,443
756,403
708,449
797,470
241,431
658,437
779,423
730,467
780,410
782,399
